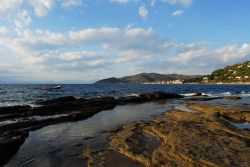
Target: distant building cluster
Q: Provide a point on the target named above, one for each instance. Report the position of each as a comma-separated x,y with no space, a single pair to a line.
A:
178,81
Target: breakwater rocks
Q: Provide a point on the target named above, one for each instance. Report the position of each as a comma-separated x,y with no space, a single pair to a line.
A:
17,121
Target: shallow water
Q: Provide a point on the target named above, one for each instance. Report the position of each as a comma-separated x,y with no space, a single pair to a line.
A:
245,125
57,145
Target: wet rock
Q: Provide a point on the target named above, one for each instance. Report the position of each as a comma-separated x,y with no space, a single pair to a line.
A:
59,100
186,139
159,95
232,97
10,145
68,108
197,94
130,99
14,109
202,98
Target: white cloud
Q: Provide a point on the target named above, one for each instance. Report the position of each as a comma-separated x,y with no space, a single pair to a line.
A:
41,7
71,3
178,13
3,30
70,56
201,57
42,51
8,5
143,12
22,20
183,2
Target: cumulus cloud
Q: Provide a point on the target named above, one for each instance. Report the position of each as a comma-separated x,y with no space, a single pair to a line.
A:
94,53
136,48
206,59
178,13
143,12
8,6
22,20
77,55
43,50
41,7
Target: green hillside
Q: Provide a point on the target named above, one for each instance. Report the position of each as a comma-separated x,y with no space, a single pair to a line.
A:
234,73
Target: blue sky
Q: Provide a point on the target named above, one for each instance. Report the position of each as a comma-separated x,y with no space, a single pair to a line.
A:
86,40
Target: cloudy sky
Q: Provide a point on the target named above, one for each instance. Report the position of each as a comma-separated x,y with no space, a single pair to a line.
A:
86,40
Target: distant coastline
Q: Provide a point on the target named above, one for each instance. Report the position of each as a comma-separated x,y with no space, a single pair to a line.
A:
235,74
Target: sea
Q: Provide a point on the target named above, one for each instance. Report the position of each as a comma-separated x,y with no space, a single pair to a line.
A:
18,94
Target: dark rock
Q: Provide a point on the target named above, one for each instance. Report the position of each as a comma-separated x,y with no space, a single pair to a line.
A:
10,145
232,97
202,98
130,99
160,95
197,94
59,100
13,135
14,109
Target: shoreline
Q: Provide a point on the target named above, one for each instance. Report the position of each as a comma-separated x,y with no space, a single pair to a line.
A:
179,138
235,83
13,136
55,111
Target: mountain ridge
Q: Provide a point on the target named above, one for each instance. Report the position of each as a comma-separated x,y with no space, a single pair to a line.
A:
149,77
236,73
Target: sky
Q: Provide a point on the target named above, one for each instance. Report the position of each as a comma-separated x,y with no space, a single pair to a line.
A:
81,41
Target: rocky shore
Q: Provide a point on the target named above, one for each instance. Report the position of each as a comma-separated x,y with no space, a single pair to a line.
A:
16,122
204,137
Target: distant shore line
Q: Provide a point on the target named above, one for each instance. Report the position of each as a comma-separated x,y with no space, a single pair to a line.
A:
193,83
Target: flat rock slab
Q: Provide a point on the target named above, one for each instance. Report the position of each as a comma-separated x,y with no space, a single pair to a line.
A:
186,139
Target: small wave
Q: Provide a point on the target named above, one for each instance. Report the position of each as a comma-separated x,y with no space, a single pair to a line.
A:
8,122
193,94
226,93
245,95
134,94
188,94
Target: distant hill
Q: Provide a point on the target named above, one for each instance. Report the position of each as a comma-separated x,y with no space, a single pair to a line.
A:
149,77
234,73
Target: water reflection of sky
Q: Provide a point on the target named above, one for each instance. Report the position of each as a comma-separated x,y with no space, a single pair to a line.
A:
54,145
245,125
